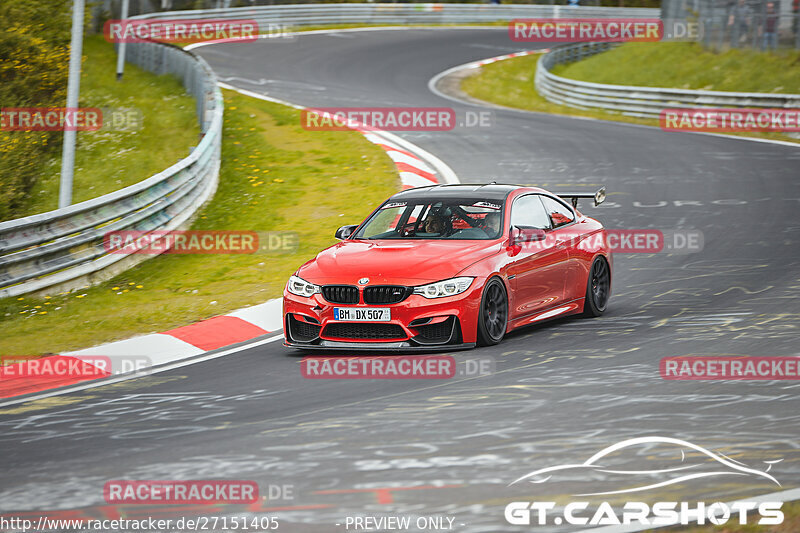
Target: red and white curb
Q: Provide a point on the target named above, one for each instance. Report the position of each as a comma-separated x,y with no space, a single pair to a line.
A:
416,167
144,351
414,172
491,60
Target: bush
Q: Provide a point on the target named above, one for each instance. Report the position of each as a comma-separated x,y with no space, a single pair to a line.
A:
34,64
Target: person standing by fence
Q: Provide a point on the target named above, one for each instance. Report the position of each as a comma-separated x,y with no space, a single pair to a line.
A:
739,22
770,27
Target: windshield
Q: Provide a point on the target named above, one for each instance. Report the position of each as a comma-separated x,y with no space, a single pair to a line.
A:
451,219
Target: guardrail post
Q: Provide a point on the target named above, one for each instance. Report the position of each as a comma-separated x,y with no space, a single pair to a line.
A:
121,47
73,91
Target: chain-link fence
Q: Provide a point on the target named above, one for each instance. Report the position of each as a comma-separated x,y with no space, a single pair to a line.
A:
722,24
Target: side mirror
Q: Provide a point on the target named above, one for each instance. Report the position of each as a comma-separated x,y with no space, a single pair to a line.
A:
345,231
521,235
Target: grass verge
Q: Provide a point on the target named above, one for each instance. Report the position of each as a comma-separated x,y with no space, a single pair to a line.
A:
510,82
690,66
274,176
108,160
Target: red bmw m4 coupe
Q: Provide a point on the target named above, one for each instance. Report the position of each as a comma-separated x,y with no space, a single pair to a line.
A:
448,267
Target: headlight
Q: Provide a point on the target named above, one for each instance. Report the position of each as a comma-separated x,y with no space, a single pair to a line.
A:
448,287
301,287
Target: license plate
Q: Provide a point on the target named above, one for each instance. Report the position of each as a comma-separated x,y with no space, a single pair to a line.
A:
362,314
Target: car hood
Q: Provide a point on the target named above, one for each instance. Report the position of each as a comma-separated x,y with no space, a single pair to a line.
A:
409,262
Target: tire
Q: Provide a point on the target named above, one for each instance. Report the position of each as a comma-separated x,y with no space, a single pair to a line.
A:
493,313
598,288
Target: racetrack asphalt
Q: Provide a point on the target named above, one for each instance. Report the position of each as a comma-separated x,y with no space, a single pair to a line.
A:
561,390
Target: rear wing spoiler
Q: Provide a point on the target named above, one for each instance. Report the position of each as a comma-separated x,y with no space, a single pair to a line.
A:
598,196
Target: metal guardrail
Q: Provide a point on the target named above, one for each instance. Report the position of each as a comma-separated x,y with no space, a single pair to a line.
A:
645,102
324,14
66,245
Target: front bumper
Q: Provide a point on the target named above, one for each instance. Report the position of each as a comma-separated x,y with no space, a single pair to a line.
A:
403,346
417,324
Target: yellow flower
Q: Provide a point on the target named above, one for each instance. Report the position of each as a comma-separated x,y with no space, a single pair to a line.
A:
114,288
140,286
278,180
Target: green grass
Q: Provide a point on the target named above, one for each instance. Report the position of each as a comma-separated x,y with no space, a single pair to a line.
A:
690,66
109,160
510,83
274,176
